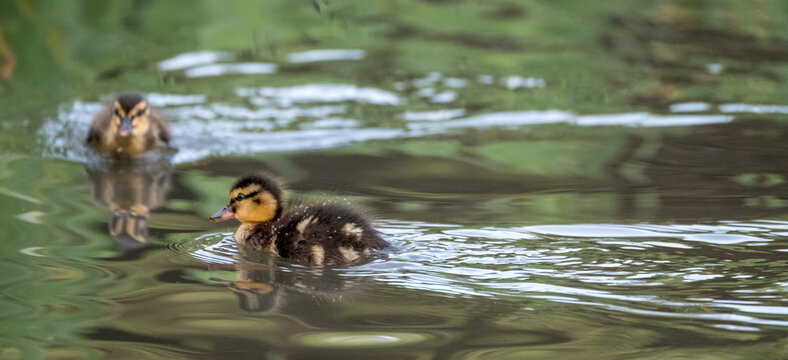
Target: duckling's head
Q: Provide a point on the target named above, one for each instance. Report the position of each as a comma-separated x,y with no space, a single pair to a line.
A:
254,198
130,113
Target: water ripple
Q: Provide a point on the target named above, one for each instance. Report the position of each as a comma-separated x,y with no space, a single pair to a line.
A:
585,264
310,116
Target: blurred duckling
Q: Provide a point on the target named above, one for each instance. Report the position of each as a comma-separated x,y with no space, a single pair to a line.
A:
128,127
328,234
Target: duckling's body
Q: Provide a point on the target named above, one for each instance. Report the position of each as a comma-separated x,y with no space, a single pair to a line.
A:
128,127
329,234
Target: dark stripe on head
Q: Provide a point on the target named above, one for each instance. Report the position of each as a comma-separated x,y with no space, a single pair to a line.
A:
127,101
266,182
247,196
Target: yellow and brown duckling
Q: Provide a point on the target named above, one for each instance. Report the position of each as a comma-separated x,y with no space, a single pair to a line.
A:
329,234
128,127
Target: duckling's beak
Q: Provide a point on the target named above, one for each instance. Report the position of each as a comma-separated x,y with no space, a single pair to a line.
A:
223,214
125,127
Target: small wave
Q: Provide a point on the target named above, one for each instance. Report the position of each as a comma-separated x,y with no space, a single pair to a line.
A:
313,116
584,264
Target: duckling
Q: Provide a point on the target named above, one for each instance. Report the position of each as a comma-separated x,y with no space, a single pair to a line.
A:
128,127
328,234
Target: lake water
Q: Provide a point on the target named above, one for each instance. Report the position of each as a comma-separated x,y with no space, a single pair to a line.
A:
574,181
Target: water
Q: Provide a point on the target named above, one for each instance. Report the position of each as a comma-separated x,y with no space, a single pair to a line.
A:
607,189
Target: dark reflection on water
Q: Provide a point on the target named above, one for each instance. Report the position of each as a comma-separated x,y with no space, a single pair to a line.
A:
709,173
130,191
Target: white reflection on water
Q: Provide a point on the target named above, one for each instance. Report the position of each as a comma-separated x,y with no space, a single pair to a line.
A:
230,69
206,142
160,100
499,119
690,107
455,82
444,97
650,120
437,115
189,59
730,108
332,123
325,55
219,112
516,82
520,118
714,68
754,108
322,93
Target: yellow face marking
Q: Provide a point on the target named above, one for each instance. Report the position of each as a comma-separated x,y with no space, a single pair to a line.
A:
253,209
349,253
117,113
352,230
139,122
118,110
140,106
318,254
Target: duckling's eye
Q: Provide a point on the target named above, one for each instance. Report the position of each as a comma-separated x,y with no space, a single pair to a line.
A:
117,112
141,112
240,197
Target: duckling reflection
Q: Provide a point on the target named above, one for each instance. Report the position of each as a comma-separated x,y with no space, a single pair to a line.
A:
130,191
269,285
